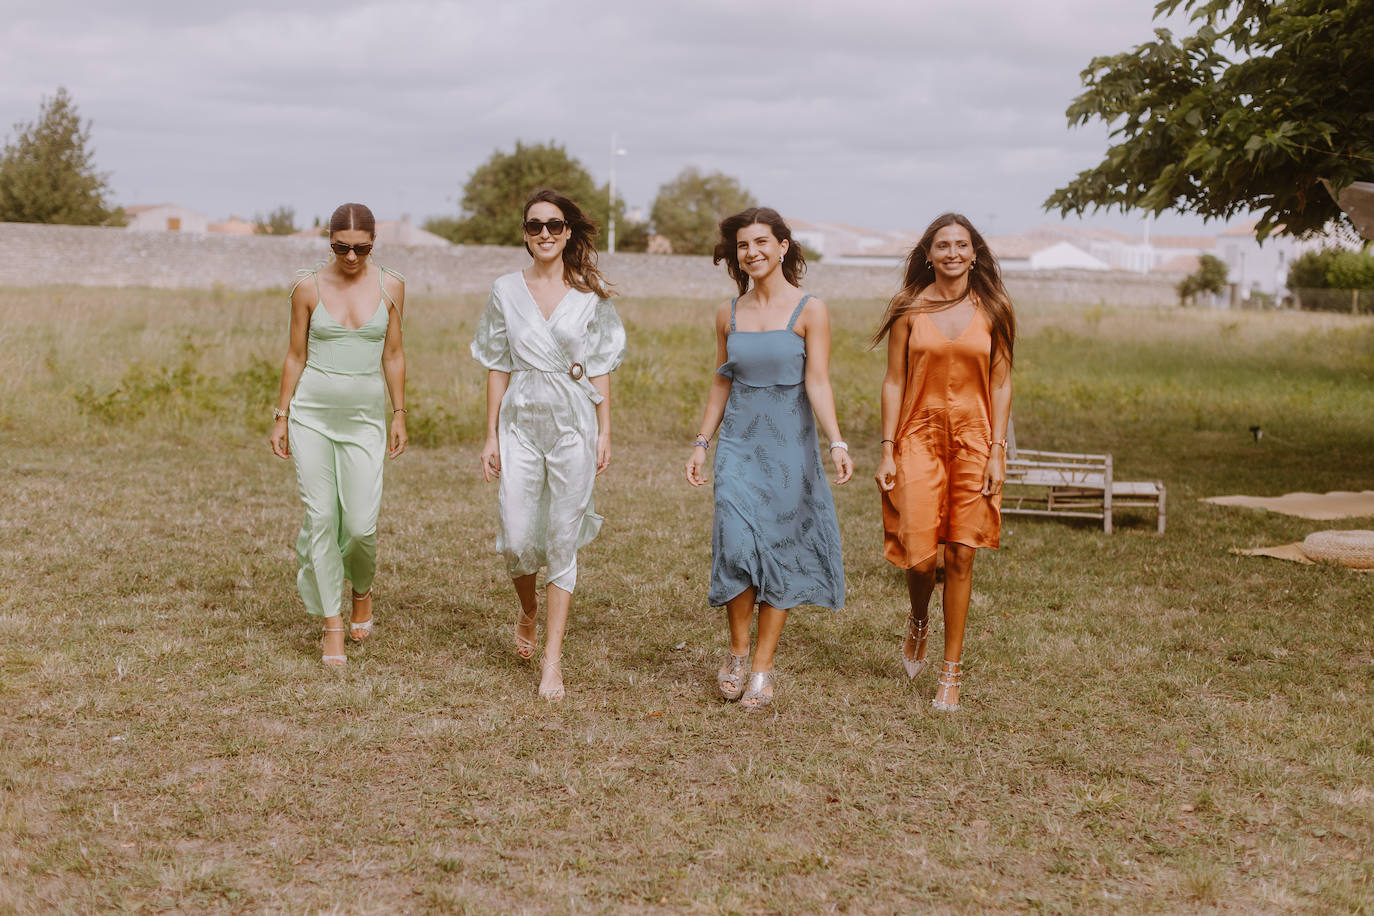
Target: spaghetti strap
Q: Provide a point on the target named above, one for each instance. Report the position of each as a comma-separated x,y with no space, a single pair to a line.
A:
797,311
300,278
382,271
732,312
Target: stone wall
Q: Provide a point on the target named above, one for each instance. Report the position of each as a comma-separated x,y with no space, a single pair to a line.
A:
40,255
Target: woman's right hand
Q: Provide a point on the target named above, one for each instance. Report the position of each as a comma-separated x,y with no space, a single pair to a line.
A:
694,466
887,473
491,459
280,446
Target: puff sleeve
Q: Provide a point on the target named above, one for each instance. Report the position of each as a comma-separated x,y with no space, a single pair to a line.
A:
491,345
605,340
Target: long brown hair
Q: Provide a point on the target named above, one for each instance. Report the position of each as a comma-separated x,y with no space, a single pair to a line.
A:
984,284
353,216
793,261
579,255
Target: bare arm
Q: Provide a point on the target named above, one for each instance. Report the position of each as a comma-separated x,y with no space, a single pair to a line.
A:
815,327
894,389
394,364
602,383
303,299
497,383
995,474
715,400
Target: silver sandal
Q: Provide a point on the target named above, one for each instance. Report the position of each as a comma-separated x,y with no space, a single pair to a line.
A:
917,632
730,677
754,696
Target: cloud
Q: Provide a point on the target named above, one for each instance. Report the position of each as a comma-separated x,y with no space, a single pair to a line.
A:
870,112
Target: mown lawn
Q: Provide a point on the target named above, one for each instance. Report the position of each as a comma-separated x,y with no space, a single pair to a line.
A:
1150,724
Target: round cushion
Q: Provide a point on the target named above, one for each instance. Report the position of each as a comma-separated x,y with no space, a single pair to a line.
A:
1347,548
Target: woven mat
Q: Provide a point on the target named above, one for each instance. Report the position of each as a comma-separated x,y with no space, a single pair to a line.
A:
1317,506
1292,552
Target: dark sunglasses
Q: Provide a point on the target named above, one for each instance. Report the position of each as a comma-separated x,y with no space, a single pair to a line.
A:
342,250
535,227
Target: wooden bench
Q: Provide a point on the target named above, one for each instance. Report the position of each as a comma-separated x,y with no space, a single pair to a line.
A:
1073,485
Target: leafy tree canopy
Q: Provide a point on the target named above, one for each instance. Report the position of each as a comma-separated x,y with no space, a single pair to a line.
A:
1268,107
1210,277
281,221
497,190
47,174
688,209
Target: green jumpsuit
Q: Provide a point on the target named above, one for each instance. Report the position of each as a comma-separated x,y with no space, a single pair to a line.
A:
338,436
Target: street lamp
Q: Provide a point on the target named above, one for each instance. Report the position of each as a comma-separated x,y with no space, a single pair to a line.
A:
610,233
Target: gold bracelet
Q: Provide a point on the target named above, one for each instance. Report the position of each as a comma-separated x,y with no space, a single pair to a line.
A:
279,414
396,410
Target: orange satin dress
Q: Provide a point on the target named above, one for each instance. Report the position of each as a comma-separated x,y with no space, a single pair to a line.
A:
944,438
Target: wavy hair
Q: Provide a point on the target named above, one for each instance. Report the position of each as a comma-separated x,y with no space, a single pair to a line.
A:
984,283
579,255
353,216
793,261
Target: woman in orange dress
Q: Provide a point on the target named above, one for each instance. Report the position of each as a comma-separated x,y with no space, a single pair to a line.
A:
946,400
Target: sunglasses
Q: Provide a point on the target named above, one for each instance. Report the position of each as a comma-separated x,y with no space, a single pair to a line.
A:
342,250
535,227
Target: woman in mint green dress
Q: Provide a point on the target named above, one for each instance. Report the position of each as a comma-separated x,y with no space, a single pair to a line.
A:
343,358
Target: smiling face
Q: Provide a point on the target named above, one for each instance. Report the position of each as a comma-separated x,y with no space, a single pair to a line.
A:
544,244
352,261
758,250
951,252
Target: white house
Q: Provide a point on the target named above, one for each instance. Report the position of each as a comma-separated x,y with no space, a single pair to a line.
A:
1254,266
165,218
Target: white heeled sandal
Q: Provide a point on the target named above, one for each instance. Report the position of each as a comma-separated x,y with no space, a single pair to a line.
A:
948,683
332,661
917,632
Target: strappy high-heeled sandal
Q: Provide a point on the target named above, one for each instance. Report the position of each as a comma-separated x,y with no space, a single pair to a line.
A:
364,627
525,647
730,677
917,632
754,697
332,661
947,685
555,692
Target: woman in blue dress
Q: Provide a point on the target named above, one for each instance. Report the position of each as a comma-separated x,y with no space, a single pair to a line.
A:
775,541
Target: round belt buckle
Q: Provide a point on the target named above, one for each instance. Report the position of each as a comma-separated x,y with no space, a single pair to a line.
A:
577,371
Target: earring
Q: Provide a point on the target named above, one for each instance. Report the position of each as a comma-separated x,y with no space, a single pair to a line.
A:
928,264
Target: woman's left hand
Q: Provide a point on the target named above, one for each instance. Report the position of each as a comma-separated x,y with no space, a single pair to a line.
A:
995,472
399,439
603,452
844,465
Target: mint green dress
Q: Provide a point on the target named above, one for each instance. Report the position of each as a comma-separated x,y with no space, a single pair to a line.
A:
337,432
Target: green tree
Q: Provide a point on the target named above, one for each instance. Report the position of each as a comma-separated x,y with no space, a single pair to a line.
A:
1309,269
1265,108
47,174
281,221
688,209
1210,277
1351,270
499,187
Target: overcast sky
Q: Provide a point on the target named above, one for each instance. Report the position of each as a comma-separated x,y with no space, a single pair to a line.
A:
881,113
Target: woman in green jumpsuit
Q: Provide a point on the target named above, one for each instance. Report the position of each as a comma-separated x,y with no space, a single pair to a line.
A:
343,358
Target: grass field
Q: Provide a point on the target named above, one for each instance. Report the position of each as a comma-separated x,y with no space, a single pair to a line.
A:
1150,724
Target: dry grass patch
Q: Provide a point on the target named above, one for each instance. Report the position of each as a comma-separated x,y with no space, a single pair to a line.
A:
1151,724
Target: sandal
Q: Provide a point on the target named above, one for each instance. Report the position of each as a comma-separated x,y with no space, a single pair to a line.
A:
555,690
915,631
948,686
754,697
525,647
358,630
730,677
332,661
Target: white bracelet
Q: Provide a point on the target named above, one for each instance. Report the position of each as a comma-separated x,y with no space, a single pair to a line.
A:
839,443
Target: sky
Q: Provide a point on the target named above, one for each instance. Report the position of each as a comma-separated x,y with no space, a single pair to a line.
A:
879,113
